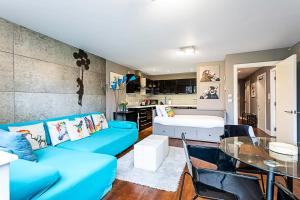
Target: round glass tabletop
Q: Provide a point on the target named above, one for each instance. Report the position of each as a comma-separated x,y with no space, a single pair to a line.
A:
255,152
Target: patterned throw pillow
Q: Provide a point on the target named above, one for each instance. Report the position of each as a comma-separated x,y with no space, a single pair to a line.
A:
77,129
170,112
89,124
100,121
16,143
35,134
103,121
58,131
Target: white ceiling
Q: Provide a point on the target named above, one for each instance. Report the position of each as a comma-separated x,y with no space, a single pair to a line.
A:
146,34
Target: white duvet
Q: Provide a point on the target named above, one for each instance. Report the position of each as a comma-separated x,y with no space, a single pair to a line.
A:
201,121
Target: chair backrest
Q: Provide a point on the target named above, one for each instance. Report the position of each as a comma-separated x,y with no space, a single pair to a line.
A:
241,186
238,130
187,156
284,193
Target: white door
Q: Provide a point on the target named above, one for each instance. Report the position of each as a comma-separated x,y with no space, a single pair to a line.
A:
286,100
273,101
261,101
247,97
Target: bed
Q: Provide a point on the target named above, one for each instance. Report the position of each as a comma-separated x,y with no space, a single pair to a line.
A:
197,124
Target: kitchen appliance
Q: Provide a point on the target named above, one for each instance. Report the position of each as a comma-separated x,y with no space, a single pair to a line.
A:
153,102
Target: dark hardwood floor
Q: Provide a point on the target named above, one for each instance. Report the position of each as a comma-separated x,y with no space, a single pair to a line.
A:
123,190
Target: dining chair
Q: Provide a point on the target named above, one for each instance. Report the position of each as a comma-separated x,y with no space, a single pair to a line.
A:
238,131
218,184
284,193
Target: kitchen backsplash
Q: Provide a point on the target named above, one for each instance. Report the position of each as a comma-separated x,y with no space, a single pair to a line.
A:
178,99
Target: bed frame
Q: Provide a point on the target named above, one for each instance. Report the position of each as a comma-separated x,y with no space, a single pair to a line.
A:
192,133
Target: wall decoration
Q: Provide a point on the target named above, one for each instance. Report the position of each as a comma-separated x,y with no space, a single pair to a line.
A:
118,86
209,73
209,91
83,62
253,90
114,77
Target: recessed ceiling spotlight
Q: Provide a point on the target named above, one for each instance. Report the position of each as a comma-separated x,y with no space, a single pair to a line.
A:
188,50
239,71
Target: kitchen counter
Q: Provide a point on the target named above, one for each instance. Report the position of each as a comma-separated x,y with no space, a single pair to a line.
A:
173,105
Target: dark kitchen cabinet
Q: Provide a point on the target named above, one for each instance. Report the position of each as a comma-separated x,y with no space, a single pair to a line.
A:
184,86
194,85
161,86
177,86
133,86
170,86
144,116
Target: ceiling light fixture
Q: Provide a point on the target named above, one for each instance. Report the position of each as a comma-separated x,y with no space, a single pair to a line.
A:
188,50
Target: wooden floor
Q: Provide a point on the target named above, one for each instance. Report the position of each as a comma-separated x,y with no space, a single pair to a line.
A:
123,190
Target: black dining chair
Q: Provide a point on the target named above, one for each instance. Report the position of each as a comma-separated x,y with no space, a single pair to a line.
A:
238,131
284,193
217,184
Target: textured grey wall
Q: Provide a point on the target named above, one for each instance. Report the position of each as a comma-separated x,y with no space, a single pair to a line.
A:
38,77
250,57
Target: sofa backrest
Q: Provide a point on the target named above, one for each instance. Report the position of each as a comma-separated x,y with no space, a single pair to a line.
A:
69,117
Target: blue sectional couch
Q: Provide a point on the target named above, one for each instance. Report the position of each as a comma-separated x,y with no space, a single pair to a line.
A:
82,169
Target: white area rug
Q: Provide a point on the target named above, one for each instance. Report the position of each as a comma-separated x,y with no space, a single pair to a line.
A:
165,178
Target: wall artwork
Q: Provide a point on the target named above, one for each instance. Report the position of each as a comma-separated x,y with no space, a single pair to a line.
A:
83,62
209,73
209,91
114,77
253,90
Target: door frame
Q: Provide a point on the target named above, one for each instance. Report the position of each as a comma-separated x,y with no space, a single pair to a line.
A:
235,82
265,100
249,97
273,101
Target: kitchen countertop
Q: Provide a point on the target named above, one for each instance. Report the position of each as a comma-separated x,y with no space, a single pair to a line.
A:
173,105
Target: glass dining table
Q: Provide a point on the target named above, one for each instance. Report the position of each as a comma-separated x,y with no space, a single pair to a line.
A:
255,152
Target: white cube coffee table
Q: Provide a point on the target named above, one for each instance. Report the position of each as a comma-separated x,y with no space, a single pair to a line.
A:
151,152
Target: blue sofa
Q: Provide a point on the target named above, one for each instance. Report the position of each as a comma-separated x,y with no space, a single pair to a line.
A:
82,169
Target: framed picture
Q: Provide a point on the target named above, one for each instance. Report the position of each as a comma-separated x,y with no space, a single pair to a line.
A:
253,90
209,91
209,73
114,77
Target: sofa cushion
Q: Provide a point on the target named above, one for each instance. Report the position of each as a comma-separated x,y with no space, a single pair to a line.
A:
28,179
122,124
110,141
83,175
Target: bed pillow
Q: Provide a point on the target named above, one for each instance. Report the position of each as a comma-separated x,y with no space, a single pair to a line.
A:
158,111
35,134
100,121
16,143
58,131
162,109
89,124
170,112
77,129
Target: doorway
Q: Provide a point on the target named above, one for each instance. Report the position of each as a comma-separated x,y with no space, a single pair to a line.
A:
261,101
